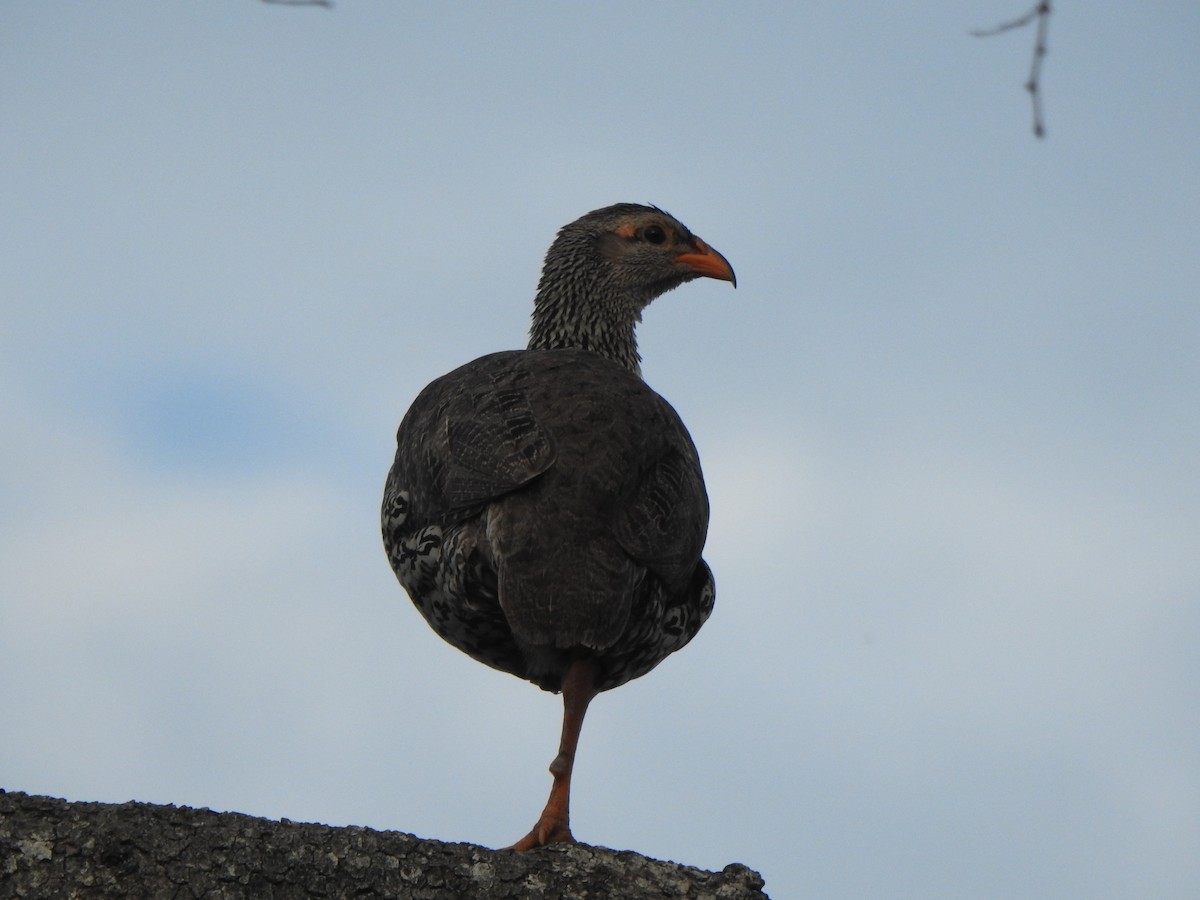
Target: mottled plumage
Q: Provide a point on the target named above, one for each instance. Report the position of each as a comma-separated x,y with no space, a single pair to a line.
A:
546,509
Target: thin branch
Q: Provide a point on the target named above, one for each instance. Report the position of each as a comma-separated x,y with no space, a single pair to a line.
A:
1008,26
328,4
1041,13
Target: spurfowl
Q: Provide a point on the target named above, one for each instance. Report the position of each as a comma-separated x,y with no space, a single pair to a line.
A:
546,509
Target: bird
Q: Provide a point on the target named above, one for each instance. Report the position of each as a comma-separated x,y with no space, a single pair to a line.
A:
546,510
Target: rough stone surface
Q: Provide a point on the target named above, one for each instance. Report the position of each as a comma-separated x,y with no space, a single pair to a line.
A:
54,848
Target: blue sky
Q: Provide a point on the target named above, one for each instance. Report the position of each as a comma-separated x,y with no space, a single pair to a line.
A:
948,422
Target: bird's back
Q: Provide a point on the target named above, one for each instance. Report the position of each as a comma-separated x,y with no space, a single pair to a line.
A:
544,504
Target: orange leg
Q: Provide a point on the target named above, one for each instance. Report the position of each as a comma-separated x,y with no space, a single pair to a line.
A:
554,827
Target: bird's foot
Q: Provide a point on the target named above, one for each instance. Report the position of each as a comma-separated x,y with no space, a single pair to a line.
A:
554,824
548,830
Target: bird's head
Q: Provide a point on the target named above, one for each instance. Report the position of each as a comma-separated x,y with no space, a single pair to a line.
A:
604,268
629,254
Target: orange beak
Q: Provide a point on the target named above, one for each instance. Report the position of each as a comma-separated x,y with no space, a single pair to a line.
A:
707,262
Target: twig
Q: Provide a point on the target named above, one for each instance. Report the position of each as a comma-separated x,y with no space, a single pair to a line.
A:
1041,13
328,4
1020,22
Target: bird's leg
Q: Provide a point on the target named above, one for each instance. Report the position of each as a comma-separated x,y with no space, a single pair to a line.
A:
578,689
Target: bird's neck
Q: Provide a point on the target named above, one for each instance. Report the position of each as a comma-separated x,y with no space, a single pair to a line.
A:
562,321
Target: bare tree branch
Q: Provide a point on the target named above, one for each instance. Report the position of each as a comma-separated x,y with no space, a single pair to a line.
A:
1040,13
1019,22
328,4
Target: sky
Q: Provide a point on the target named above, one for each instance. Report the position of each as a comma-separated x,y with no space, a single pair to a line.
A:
948,420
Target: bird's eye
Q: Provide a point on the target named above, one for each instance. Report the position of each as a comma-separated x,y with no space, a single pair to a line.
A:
654,234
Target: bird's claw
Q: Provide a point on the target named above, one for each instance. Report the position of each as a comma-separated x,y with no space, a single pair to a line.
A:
546,831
